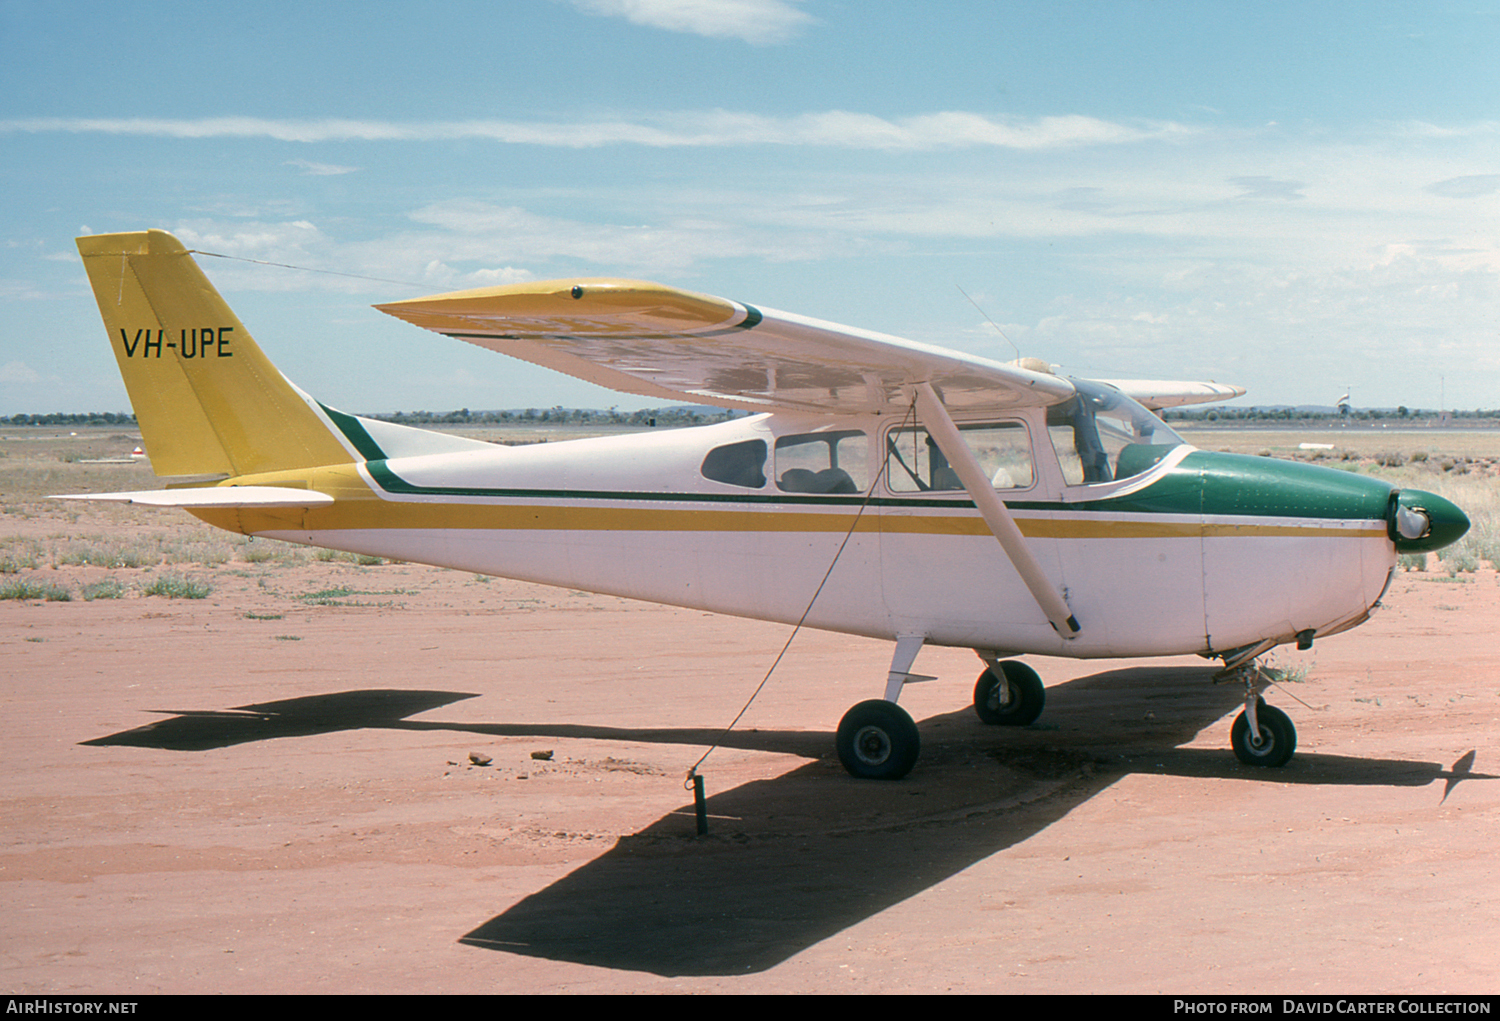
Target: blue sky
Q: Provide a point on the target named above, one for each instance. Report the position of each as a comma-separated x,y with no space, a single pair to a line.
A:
1300,198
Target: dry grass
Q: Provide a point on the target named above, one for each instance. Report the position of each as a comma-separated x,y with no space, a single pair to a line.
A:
38,534
1361,443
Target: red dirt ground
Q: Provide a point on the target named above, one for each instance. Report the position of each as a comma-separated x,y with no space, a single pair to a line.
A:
200,800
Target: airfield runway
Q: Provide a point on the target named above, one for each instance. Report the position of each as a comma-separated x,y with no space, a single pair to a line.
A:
266,792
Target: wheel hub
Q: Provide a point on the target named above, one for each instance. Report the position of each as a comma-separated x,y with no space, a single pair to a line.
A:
872,745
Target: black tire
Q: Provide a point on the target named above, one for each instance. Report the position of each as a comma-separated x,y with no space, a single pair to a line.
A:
1014,700
1278,737
877,740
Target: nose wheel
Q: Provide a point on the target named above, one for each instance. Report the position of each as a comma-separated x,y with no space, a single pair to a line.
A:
1262,735
1274,740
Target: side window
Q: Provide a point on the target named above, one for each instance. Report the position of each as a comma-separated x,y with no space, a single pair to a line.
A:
826,462
737,464
914,464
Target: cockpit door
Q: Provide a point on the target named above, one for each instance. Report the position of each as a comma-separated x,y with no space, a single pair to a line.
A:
943,573
1130,529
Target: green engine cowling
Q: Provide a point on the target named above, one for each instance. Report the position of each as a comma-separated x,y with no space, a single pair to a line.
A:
1420,522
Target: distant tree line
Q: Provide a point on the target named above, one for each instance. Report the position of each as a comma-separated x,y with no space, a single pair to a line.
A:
663,417
666,417
682,416
75,418
1344,413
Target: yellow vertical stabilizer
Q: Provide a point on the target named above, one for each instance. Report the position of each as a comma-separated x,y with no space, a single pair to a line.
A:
207,399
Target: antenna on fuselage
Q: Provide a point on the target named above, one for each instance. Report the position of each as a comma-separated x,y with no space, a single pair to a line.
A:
991,322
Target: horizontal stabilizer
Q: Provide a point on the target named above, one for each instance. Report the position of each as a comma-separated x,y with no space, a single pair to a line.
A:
213,496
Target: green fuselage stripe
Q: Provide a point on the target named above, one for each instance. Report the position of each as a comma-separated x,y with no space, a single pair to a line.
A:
1203,485
355,434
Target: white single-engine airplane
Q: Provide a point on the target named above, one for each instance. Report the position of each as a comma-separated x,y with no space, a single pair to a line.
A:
1115,537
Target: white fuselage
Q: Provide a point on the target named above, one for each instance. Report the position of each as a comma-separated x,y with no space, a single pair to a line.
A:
638,516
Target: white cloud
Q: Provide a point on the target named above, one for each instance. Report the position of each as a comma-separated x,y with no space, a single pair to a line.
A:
496,277
320,169
1467,187
292,240
840,129
18,372
467,230
761,22
1273,259
1262,187
282,256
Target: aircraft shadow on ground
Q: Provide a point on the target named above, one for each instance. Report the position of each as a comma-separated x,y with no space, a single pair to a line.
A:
774,882
197,730
795,859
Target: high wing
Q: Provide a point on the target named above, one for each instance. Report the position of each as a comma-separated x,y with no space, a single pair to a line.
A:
1167,393
660,342
664,343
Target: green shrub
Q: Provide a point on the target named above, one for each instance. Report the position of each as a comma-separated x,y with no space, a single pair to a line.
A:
176,586
27,588
1459,558
104,554
210,552
15,561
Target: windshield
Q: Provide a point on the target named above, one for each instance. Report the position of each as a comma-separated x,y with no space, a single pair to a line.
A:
1101,435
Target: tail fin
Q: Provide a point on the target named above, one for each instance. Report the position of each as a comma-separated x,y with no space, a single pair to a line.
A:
207,399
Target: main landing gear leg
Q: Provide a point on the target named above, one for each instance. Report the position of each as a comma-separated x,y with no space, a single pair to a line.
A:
877,739
1262,735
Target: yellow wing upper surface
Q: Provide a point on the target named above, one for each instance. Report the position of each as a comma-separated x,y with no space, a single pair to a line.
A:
661,342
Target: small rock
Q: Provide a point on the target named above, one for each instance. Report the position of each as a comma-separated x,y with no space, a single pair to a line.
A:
545,756
480,759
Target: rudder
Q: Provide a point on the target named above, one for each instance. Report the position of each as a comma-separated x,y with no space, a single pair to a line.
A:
207,399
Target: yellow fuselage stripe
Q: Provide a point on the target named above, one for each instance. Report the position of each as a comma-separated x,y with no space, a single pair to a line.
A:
351,514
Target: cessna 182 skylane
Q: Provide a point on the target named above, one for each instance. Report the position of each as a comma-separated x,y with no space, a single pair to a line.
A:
992,506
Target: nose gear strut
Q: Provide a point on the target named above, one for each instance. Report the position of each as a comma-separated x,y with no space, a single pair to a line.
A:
1262,735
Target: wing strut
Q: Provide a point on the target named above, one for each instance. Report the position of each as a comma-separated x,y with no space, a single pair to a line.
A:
961,459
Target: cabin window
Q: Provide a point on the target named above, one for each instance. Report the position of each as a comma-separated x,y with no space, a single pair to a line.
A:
914,464
1101,435
824,462
737,464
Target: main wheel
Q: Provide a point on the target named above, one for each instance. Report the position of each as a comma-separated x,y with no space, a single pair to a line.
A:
1012,700
1278,738
877,740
